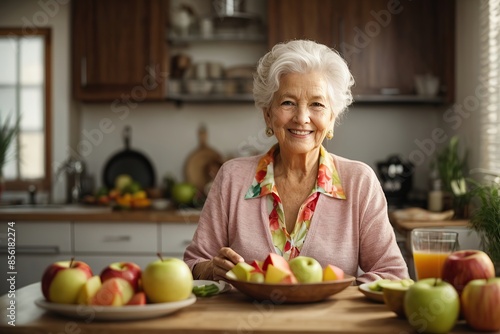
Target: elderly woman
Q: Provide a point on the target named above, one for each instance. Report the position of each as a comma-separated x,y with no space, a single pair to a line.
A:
298,198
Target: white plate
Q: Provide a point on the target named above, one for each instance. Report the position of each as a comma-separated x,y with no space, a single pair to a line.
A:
377,296
223,286
130,312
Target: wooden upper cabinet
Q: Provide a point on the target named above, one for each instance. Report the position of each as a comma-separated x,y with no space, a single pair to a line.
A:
385,43
119,50
299,19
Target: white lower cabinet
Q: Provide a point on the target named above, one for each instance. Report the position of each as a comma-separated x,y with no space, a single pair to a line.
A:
37,245
122,238
102,243
175,237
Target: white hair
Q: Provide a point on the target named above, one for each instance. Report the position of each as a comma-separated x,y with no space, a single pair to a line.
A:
303,56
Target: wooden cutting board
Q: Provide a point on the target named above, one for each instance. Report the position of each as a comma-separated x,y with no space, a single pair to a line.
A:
203,163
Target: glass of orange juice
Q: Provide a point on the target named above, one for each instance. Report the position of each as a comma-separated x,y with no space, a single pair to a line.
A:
430,249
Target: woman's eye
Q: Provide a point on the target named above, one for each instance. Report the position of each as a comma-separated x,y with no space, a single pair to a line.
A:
317,105
287,103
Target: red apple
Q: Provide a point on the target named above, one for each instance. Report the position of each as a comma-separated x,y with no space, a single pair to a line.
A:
332,273
276,275
277,261
128,271
257,266
481,304
89,290
463,266
138,299
113,292
62,281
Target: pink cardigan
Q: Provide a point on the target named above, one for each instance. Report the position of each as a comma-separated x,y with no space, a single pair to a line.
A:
346,233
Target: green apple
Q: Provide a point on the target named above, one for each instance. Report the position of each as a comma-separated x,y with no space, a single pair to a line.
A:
481,304
89,290
62,281
183,193
113,292
432,306
257,277
375,286
122,181
306,269
243,271
167,280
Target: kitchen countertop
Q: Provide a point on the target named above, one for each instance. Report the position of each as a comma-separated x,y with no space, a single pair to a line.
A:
346,312
89,213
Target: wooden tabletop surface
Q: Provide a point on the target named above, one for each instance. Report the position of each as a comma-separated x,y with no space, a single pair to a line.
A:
346,312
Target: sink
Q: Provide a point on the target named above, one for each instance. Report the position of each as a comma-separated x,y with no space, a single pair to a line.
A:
53,208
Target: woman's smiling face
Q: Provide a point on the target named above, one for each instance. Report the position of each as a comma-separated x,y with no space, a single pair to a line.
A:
300,114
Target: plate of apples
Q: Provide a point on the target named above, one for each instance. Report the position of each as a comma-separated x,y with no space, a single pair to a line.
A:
122,291
276,280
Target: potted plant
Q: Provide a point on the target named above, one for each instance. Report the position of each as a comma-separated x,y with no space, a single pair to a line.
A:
485,219
8,133
452,170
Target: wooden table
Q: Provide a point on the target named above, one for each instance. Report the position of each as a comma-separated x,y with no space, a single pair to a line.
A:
346,312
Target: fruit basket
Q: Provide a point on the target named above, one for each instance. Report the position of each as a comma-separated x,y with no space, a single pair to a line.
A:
291,293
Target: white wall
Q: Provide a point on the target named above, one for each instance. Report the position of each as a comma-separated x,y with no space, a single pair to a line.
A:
467,71
168,133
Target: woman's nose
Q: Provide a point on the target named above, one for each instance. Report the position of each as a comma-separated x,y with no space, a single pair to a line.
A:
301,114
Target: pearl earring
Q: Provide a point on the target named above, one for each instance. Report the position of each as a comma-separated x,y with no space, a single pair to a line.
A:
269,132
329,134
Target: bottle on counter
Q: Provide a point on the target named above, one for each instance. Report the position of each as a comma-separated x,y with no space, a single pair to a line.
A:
435,197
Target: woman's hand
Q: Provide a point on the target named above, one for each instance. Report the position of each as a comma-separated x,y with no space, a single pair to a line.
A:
217,267
224,261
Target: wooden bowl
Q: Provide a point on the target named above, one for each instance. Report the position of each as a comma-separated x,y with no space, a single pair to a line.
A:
292,293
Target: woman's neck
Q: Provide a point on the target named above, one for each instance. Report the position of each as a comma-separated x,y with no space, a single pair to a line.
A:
297,166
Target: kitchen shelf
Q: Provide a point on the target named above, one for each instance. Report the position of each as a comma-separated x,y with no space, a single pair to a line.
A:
358,99
222,37
209,98
413,99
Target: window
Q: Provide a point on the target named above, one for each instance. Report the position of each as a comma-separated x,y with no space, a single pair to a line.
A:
25,91
490,73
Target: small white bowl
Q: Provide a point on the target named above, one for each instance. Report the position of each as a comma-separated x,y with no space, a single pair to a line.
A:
161,204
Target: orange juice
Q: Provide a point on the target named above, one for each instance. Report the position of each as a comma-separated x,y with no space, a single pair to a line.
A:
429,265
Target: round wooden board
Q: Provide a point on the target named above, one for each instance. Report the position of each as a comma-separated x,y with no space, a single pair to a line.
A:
203,163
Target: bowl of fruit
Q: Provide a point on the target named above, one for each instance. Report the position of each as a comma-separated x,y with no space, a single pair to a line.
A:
276,280
122,291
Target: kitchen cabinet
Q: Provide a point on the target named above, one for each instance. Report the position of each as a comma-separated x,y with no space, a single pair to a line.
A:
111,238
175,237
35,250
215,65
386,44
119,51
98,243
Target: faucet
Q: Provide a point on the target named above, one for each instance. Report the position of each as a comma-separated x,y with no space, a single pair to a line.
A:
32,194
74,168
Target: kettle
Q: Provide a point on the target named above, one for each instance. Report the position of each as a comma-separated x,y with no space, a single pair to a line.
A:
396,176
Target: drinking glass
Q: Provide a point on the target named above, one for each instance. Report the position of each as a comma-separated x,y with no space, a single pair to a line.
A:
430,249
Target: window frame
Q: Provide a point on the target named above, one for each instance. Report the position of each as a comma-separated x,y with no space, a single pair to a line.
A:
45,183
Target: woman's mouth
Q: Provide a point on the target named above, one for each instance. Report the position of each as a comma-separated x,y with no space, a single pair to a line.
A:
300,132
